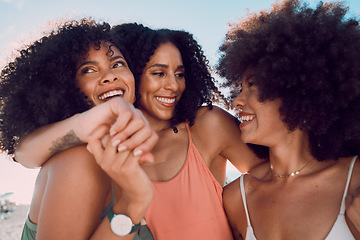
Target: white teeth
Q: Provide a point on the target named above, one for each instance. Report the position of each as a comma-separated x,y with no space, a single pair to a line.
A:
246,118
111,94
165,100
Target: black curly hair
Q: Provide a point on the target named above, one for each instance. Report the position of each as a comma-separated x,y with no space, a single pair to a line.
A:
310,59
141,43
39,87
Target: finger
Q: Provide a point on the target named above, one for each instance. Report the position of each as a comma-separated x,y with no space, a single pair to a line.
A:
108,158
98,133
134,126
137,139
113,164
96,149
95,142
146,158
125,112
148,145
104,140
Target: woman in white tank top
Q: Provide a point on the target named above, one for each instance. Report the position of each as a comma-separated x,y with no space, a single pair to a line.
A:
297,70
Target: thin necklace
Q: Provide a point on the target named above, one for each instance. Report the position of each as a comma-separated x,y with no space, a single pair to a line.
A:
289,174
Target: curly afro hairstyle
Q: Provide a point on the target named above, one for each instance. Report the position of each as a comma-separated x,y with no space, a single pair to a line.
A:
39,87
141,42
308,58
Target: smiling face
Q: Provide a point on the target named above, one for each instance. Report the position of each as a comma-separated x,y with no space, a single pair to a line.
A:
104,73
162,82
260,121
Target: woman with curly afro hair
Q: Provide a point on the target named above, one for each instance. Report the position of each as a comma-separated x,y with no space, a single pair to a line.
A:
298,72
173,82
70,70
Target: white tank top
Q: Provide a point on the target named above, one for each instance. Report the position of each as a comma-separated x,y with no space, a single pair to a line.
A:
340,229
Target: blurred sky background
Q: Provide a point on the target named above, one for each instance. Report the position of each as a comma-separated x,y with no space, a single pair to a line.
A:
23,21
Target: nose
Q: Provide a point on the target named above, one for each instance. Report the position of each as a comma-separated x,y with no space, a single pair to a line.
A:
171,83
108,77
239,101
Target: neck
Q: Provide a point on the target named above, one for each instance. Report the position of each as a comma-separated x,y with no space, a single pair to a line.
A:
291,155
158,125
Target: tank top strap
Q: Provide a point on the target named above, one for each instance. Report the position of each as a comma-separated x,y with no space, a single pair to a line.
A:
188,131
242,188
342,210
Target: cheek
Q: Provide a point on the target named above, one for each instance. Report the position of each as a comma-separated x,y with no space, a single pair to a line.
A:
87,90
148,86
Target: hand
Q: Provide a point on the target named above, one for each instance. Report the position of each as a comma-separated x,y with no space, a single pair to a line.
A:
125,170
128,126
143,137
352,204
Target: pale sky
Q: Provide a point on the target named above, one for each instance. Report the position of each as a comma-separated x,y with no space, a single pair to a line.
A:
23,21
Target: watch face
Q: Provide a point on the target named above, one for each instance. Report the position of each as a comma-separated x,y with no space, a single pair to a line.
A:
121,225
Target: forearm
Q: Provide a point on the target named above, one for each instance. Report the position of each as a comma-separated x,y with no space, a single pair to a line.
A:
37,147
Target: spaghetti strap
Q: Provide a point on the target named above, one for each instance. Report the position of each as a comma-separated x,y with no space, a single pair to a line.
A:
242,188
342,210
188,131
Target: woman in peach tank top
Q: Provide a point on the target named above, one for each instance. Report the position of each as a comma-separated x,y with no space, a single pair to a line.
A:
194,141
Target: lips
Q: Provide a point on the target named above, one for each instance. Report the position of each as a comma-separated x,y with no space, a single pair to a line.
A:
166,101
111,94
245,118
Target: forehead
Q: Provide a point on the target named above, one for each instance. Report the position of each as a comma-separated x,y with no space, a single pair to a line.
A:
166,52
247,75
100,50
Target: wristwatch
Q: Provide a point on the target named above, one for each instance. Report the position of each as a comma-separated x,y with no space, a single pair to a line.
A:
121,224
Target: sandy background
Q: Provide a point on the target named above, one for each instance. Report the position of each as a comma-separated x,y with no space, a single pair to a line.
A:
12,224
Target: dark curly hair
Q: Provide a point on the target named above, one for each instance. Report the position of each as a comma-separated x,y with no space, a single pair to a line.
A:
141,43
310,59
39,87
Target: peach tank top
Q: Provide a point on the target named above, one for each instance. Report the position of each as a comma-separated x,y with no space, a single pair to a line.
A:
189,206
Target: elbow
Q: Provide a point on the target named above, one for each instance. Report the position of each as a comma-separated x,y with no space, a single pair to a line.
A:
20,157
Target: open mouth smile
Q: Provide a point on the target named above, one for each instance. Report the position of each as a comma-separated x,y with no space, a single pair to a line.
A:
166,100
111,94
246,118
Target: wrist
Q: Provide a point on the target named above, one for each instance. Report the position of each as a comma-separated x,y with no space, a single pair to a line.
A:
121,224
77,126
135,211
135,207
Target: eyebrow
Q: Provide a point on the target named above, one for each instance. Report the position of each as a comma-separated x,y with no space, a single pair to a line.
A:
93,62
165,66
251,76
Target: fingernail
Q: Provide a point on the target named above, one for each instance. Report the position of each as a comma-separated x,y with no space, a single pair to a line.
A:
115,142
137,153
112,133
121,148
88,148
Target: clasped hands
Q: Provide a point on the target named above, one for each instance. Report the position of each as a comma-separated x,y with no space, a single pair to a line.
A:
120,138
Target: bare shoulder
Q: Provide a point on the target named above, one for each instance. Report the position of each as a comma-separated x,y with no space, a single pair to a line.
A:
234,208
232,193
216,123
232,200
214,115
